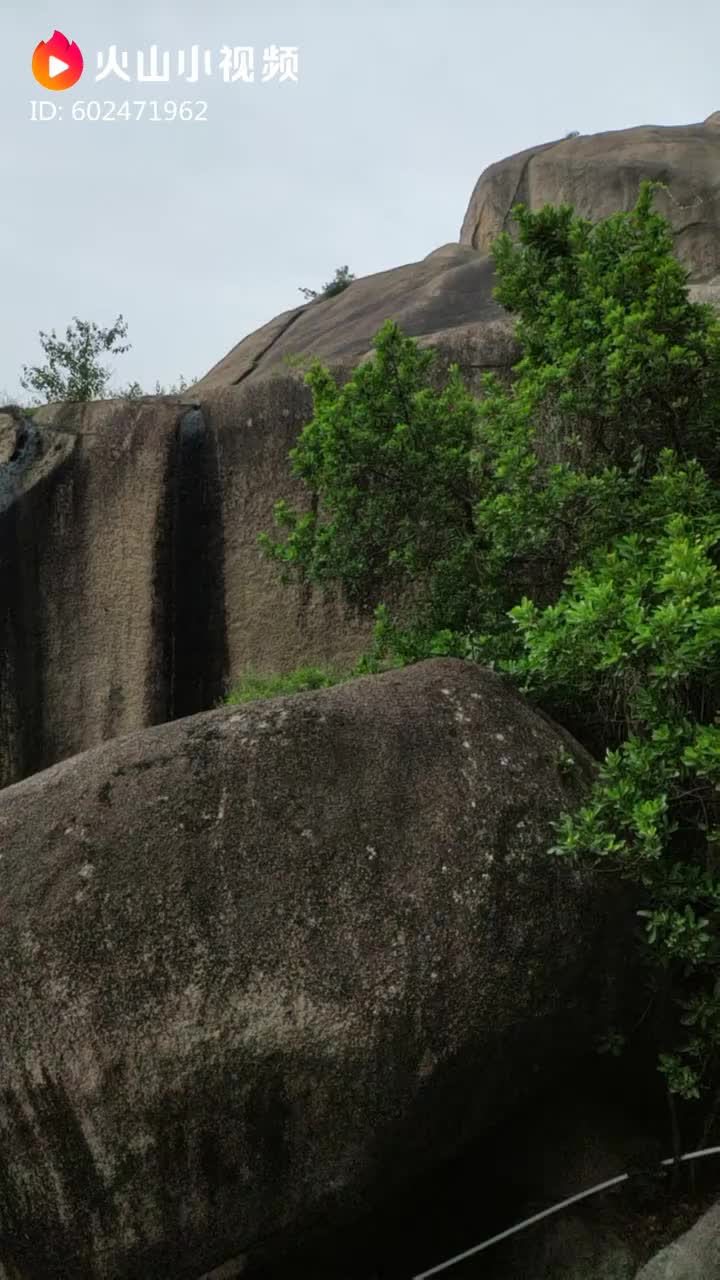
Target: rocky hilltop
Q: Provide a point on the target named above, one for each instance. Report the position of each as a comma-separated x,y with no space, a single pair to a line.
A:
601,173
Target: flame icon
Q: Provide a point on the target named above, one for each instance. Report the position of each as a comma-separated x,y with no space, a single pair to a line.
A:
56,63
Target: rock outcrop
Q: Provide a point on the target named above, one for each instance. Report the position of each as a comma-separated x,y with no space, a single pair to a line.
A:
601,173
131,585
258,964
84,578
695,1256
444,301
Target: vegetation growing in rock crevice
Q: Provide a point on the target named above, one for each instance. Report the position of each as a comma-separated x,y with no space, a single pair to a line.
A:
564,529
340,281
256,684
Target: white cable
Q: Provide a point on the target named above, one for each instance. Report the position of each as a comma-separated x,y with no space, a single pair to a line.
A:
582,1195
693,1155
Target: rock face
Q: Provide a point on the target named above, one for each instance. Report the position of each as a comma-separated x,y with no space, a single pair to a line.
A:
601,174
10,438
444,301
84,582
258,964
131,586
695,1256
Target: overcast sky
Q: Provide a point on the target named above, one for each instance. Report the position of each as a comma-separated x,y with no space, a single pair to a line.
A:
200,231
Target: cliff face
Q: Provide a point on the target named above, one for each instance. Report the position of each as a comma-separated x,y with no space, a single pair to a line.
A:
131,587
83,580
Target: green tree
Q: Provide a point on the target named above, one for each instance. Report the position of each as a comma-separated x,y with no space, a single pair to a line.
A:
73,369
566,530
389,461
340,281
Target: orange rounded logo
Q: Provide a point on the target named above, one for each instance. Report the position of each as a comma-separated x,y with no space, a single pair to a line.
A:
56,63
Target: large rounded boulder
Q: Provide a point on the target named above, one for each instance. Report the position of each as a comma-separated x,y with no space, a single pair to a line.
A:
259,964
600,173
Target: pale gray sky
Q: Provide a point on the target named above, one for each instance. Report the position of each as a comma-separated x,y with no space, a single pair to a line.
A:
199,232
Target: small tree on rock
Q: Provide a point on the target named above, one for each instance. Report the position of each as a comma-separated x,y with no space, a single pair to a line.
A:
73,369
340,281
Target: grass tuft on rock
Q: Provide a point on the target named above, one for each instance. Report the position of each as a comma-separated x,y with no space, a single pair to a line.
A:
254,685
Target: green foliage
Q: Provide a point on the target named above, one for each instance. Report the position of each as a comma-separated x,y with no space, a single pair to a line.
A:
73,368
612,1042
635,636
565,761
175,388
390,463
609,337
298,360
135,391
340,281
254,685
565,529
132,391
24,410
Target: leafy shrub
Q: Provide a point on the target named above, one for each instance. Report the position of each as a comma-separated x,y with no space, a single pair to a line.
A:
340,281
390,462
73,369
135,391
564,529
